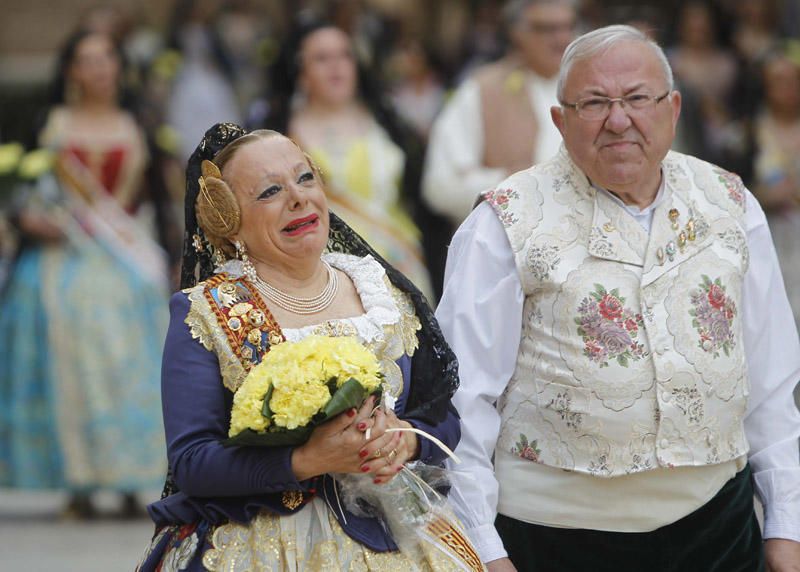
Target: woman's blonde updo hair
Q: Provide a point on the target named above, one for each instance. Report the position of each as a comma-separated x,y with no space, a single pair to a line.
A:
218,212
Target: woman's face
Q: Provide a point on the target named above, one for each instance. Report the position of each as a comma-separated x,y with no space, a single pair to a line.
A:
284,218
328,68
95,68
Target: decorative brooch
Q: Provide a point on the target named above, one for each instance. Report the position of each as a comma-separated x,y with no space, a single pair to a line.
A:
683,236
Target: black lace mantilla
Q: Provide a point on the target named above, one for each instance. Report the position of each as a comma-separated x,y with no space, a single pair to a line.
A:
434,370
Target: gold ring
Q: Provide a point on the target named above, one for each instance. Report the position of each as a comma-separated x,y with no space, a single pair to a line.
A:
377,453
390,457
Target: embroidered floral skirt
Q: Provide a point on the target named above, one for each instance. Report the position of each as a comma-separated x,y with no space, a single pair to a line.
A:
80,375
310,540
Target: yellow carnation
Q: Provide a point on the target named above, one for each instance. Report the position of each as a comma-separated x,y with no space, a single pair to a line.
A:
293,405
248,401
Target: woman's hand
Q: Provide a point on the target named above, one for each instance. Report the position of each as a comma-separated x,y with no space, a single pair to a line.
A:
334,446
386,452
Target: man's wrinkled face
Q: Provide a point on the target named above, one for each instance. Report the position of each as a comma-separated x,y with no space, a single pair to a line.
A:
624,150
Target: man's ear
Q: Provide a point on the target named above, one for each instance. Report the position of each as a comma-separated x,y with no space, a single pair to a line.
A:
557,115
675,102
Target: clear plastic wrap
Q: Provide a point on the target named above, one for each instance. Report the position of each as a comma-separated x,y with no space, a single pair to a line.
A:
415,511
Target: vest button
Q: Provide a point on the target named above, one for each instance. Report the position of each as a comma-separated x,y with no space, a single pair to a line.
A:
665,396
664,443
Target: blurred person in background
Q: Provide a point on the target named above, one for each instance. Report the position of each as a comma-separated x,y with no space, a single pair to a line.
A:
418,93
332,107
202,91
498,121
755,30
777,164
706,73
81,315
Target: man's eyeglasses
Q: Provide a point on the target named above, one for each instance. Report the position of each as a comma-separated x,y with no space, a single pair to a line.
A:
597,107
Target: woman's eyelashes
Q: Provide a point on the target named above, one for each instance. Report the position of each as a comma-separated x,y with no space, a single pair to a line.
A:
272,190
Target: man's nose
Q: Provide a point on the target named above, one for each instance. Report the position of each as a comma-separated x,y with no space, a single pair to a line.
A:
618,119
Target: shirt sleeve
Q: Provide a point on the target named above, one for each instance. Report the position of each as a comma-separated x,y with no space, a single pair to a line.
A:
481,316
454,172
196,407
772,423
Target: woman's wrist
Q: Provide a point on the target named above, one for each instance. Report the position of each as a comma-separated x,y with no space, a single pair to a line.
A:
412,441
301,465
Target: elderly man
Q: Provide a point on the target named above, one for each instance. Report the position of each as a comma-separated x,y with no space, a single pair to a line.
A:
626,348
498,120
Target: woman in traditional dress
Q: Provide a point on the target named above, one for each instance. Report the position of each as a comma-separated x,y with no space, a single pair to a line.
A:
286,268
371,164
80,322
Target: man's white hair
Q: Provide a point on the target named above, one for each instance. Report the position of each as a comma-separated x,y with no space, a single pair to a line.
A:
602,39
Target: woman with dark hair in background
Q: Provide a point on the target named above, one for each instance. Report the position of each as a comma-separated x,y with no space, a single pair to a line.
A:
80,317
371,163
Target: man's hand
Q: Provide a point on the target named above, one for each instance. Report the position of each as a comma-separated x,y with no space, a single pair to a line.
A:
782,555
501,565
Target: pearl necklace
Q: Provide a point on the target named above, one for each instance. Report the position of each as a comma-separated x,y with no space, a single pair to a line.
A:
296,304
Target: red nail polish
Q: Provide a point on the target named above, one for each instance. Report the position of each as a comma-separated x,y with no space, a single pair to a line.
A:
376,481
362,454
361,426
400,468
364,469
351,412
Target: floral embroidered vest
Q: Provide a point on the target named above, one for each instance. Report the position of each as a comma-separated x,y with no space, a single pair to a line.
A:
631,355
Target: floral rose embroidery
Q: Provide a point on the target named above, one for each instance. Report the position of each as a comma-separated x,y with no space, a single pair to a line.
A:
525,450
712,315
499,199
733,184
610,307
609,330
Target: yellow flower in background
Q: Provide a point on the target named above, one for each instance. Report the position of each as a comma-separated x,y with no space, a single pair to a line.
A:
167,64
295,376
35,163
168,139
10,154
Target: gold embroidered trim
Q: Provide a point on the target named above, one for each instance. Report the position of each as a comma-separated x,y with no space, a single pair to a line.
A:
233,327
202,322
409,322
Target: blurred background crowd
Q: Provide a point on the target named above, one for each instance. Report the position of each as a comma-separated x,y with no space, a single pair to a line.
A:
123,92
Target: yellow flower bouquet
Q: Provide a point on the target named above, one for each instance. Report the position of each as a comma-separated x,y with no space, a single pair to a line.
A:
299,385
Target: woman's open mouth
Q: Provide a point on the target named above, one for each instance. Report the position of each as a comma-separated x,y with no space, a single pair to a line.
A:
301,225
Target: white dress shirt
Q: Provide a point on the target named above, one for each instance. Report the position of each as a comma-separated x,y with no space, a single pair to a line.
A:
480,314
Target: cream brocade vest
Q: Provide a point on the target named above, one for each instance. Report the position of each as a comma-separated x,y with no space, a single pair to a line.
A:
631,355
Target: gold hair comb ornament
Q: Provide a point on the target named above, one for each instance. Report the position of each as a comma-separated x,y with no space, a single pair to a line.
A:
209,169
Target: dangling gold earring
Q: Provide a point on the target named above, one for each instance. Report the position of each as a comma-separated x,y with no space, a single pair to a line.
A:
247,266
217,256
